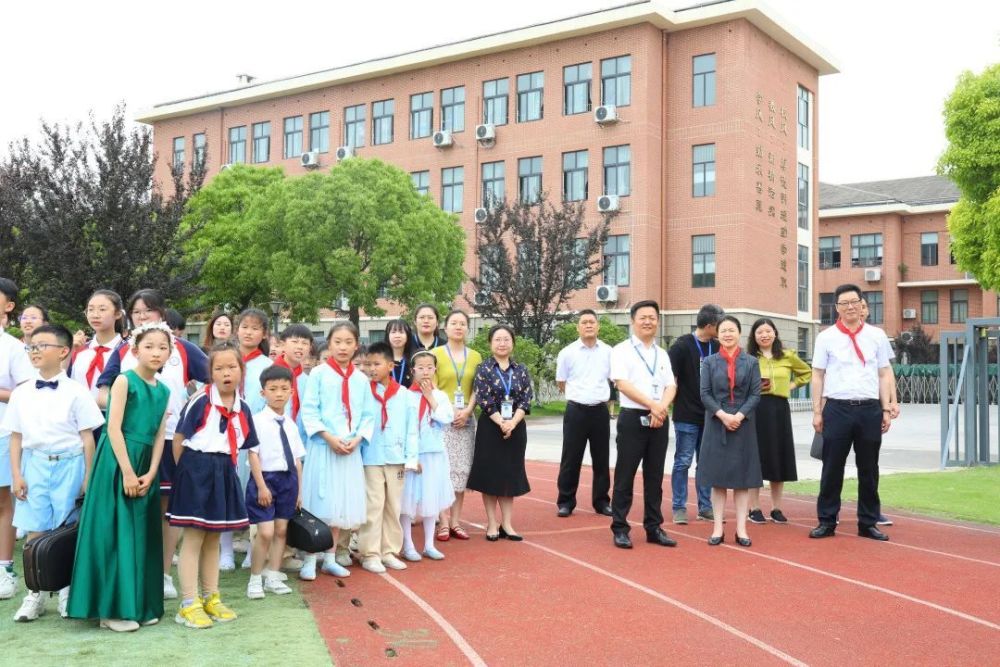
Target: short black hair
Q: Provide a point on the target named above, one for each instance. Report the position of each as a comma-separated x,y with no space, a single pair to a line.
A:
296,331
586,311
708,315
9,289
453,313
150,298
62,334
41,309
381,349
646,303
433,309
501,327
175,320
275,372
847,287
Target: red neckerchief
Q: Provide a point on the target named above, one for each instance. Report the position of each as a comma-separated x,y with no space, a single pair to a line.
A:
390,390
96,364
253,355
425,405
730,370
296,372
853,336
345,388
231,428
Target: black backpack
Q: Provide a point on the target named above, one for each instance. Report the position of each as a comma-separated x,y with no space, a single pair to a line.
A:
308,534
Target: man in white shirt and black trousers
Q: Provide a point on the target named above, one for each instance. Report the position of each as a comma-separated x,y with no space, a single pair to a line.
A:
641,370
582,371
851,407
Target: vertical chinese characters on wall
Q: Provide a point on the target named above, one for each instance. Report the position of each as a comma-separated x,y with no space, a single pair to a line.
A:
771,172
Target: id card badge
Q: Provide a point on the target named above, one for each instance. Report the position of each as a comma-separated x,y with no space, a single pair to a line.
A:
656,392
507,409
459,400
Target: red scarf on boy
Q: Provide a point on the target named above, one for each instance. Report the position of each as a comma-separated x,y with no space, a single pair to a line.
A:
390,390
296,372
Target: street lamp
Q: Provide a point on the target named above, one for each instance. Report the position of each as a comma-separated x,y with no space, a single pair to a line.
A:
276,307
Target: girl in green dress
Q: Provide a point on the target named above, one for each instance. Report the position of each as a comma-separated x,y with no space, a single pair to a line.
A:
118,571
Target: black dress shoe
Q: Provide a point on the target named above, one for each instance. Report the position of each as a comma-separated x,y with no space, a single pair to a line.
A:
873,533
823,530
606,510
564,511
743,541
513,537
716,540
492,538
622,541
661,538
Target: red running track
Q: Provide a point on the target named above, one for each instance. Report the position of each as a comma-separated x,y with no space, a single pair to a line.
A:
566,595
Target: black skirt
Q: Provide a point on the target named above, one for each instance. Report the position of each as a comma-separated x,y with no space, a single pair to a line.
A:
498,464
775,440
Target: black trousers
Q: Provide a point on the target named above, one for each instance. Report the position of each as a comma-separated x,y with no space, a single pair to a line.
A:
844,426
583,423
639,444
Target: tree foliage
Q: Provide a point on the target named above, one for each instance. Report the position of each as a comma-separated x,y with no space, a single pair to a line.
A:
972,161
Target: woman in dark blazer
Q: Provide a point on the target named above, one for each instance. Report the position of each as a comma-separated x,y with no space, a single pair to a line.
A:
730,392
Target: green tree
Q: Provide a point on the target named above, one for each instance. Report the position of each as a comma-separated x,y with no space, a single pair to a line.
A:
972,161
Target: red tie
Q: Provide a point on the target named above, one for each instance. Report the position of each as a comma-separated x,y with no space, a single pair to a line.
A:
345,388
231,428
390,391
96,364
730,370
425,405
296,372
854,338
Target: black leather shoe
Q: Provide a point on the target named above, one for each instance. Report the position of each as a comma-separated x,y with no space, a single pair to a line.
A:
513,537
716,540
873,533
492,538
823,530
661,538
743,541
564,511
606,510
622,541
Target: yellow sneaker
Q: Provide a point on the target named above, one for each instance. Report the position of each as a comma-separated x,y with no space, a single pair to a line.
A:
217,610
193,616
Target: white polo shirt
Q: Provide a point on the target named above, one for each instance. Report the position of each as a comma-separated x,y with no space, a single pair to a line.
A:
50,420
15,368
585,370
643,367
272,456
846,378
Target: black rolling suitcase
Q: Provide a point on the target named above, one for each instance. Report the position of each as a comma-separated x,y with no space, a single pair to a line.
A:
309,534
48,558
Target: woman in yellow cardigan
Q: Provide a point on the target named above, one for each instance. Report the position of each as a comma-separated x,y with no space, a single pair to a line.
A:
781,371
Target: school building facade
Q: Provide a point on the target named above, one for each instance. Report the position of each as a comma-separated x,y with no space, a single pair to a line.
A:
698,124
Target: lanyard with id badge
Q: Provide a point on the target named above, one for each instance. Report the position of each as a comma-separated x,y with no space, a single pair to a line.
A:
644,419
459,374
506,405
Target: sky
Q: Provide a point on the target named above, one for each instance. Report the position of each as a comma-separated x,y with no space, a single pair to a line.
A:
879,118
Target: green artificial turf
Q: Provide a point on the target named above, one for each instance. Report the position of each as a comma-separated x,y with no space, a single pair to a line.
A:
972,494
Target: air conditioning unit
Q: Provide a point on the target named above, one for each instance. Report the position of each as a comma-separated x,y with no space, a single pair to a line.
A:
225,166
873,275
608,203
486,132
607,293
909,313
310,159
906,337
481,215
442,139
345,152
480,298
606,114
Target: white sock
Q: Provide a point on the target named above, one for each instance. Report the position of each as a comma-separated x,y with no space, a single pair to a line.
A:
407,523
226,545
310,559
428,533
256,578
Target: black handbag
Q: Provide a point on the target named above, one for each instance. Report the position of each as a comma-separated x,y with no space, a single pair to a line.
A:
48,558
308,534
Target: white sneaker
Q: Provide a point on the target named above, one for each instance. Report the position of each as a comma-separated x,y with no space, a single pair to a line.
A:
393,563
255,588
271,574
169,592
373,565
227,563
245,565
308,571
344,559
331,567
276,586
411,555
32,607
63,602
8,584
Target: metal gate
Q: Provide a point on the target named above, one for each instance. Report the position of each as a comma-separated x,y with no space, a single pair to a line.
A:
966,437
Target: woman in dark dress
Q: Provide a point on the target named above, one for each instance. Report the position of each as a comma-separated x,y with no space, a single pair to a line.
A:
503,393
730,392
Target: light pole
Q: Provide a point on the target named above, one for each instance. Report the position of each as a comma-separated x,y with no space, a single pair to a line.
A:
276,315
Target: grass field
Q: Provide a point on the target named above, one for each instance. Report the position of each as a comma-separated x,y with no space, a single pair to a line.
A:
550,409
972,494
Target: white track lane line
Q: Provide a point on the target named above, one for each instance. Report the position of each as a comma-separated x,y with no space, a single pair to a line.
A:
463,646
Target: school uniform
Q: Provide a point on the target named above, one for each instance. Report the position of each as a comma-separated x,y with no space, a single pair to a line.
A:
392,449
207,493
279,448
49,415
186,362
427,493
333,486
255,363
87,363
15,368
300,382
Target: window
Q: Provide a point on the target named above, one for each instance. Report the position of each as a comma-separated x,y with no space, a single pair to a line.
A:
576,88
827,308
576,274
238,144
704,170
803,122
616,260
703,68
616,81
354,126
495,93
803,197
178,161
703,261
453,109
421,181
803,343
575,176
319,131
803,278
293,136
493,184
421,115
382,122
452,188
829,252
929,249
618,170
875,307
530,88
199,149
261,141
866,250
529,178
959,306
489,278
929,306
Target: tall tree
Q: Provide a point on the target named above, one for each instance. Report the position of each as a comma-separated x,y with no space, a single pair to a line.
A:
972,161
532,258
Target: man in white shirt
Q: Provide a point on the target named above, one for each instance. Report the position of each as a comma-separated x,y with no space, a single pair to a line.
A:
641,371
851,407
582,371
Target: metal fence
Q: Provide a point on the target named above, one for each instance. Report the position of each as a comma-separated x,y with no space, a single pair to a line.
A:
921,383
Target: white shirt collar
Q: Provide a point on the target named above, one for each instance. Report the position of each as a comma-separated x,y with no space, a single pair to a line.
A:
216,399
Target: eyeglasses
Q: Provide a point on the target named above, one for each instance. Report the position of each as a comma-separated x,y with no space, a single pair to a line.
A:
40,347
848,304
